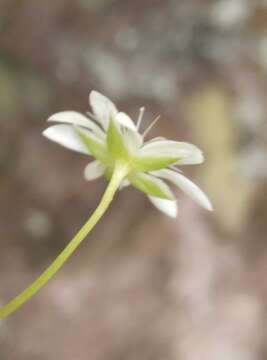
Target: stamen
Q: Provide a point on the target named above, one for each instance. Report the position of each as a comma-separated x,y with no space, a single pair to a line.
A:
140,117
151,126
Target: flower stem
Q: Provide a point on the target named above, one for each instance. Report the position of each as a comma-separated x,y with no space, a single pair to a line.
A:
119,173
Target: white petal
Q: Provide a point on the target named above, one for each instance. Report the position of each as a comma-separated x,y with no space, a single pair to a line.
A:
125,121
186,185
188,153
192,159
166,145
71,117
124,184
158,138
66,136
102,107
94,170
132,139
168,207
75,118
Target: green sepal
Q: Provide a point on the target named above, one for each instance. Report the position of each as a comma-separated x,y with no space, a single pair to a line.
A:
95,146
108,173
152,163
151,185
117,148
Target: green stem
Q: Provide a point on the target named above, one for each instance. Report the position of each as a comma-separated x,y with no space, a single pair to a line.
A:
119,173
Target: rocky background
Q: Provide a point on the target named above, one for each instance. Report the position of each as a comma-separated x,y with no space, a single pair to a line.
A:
142,286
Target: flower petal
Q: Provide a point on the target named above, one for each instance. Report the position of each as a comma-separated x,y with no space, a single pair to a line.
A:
133,139
102,107
75,118
159,153
187,186
158,138
186,152
124,184
150,185
125,120
193,159
66,136
94,170
168,207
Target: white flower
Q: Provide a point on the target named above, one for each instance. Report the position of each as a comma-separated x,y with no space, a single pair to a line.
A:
111,136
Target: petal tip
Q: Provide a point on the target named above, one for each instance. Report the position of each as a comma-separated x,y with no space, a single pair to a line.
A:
46,132
125,120
168,207
93,94
205,202
209,206
93,170
96,96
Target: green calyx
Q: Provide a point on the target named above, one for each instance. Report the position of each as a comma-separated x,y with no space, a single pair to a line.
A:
117,148
150,185
95,146
153,163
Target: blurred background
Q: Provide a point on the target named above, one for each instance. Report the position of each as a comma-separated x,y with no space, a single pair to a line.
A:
142,286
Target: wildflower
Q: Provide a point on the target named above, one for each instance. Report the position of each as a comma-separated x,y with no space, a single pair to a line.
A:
122,155
111,136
